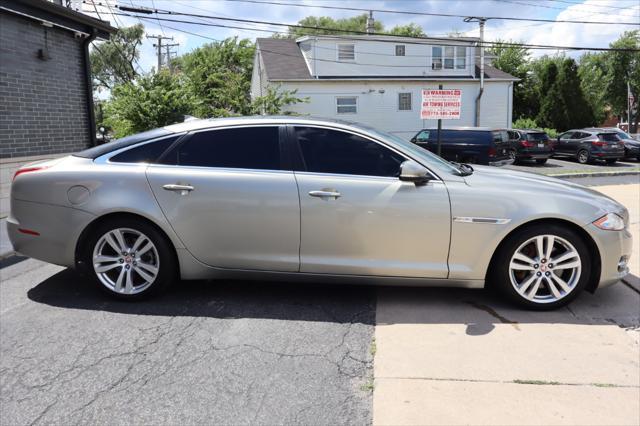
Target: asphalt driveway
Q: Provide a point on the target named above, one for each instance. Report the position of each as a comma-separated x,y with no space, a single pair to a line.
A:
215,353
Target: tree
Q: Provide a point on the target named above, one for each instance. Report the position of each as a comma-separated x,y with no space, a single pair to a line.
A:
152,101
349,26
593,73
515,61
579,112
112,61
218,77
623,68
272,102
553,110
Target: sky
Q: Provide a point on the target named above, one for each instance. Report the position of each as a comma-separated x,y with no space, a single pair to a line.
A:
564,34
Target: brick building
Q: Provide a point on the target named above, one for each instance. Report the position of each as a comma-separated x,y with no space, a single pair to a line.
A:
46,104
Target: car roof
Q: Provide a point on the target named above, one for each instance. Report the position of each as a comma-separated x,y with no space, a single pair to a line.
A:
208,123
601,129
484,129
529,130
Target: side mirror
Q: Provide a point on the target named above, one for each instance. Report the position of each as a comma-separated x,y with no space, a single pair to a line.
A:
410,171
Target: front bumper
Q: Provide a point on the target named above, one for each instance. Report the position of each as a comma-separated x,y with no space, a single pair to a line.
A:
632,151
613,247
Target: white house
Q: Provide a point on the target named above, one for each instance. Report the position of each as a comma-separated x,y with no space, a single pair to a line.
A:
378,80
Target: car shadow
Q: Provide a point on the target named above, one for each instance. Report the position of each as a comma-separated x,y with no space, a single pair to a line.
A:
479,310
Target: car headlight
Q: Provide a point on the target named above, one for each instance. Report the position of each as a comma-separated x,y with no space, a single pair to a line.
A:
610,222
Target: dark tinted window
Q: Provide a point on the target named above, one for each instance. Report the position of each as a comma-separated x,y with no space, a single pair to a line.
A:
332,151
537,136
608,137
237,148
469,137
569,135
100,150
147,153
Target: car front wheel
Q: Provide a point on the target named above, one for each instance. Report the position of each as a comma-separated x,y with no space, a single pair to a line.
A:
130,259
542,267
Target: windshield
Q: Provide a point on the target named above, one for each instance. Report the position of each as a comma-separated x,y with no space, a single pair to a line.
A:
421,153
623,135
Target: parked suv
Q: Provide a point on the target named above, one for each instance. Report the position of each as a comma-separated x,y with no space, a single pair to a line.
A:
631,145
530,144
587,145
479,145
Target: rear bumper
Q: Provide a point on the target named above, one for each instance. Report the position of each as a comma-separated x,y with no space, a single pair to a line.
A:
605,155
613,247
58,229
535,155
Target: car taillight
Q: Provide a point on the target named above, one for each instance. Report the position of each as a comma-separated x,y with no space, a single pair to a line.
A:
598,143
27,170
526,144
492,151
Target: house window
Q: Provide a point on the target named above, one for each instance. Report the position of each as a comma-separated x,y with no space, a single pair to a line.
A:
346,52
400,50
346,105
436,58
461,57
404,101
448,57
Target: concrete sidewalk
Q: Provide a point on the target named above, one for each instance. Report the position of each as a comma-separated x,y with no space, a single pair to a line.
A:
466,357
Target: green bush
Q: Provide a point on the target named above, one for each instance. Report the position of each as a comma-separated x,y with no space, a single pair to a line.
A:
529,123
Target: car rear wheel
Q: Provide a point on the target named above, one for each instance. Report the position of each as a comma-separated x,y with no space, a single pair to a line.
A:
130,259
583,156
541,161
542,267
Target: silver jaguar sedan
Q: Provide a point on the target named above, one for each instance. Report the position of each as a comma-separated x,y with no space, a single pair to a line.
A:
304,199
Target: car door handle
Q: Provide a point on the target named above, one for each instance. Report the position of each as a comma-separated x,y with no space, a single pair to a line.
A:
183,189
326,193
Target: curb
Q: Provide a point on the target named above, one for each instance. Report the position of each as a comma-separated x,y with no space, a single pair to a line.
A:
595,174
7,255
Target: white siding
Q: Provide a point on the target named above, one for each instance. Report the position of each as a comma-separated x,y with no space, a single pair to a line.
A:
377,58
381,109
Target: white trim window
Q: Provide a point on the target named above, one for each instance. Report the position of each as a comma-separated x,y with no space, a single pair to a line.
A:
404,101
347,105
448,57
400,49
346,52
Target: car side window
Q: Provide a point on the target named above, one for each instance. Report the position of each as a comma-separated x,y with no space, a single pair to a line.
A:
146,153
338,152
234,148
566,136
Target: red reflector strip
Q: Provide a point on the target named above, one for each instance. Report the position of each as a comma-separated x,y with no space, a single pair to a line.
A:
27,170
28,231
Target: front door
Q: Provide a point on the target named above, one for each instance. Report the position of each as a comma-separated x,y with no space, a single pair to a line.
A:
358,218
564,145
227,197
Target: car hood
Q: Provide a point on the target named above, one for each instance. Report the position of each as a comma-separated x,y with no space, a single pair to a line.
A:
632,142
539,187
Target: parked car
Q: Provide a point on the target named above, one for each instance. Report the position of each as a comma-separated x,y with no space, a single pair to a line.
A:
291,198
478,145
587,145
631,145
530,144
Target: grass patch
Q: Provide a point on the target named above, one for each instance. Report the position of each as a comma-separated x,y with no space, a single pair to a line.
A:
368,386
373,348
535,382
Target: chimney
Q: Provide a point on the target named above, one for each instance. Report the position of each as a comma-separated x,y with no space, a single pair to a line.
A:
370,23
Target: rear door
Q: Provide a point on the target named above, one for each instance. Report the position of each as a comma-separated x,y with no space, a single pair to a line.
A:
358,217
230,198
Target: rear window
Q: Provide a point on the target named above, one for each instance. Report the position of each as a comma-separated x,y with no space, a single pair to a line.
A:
108,147
500,136
146,153
537,137
423,136
608,137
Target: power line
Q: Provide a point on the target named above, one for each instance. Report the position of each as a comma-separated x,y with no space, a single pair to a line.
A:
591,5
554,7
405,39
411,12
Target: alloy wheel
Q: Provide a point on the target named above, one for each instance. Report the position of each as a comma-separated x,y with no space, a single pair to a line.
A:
545,269
583,157
126,261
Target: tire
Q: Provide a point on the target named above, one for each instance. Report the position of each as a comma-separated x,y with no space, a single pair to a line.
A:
611,160
541,161
129,276
513,155
583,156
516,282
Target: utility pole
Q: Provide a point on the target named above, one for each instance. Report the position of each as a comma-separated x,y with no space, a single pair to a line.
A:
629,101
168,54
481,21
158,47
